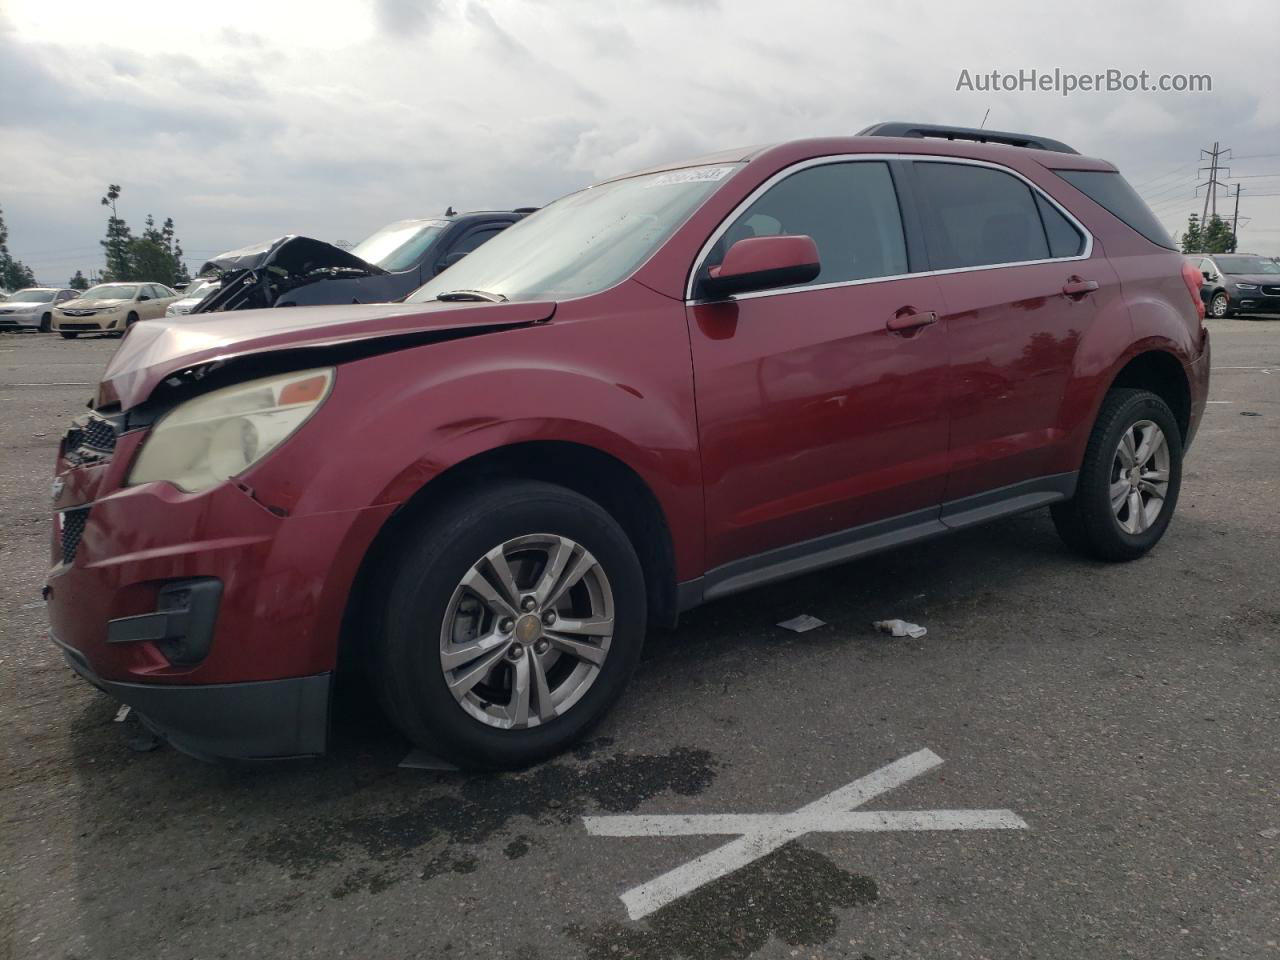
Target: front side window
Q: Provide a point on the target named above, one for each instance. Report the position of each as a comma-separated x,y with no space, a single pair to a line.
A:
976,216
585,242
850,210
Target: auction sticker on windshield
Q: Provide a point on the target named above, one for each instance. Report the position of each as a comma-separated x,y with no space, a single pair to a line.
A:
692,175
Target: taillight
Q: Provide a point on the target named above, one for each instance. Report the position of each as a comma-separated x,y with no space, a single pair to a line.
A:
1192,277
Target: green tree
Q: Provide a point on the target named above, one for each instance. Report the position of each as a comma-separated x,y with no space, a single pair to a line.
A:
78,282
1218,237
1193,237
14,274
152,254
117,242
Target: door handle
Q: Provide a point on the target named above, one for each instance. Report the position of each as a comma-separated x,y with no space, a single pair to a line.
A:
909,319
1075,287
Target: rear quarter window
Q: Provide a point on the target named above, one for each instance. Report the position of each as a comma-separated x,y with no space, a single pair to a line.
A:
1112,191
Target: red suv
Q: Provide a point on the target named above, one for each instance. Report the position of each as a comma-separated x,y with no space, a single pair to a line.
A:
661,390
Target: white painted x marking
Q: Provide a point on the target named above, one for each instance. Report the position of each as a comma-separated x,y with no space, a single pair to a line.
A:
759,834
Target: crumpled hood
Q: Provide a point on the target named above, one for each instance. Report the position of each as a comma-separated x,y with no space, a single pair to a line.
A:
152,351
293,253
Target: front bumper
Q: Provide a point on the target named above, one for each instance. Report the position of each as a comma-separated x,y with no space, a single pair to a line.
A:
14,321
1256,301
101,321
272,718
194,662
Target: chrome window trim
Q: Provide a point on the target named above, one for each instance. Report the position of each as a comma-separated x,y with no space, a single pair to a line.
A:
881,158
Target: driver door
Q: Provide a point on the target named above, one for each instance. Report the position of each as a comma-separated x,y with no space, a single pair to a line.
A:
815,419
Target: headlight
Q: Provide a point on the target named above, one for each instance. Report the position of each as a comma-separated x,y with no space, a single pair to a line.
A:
216,436
1246,286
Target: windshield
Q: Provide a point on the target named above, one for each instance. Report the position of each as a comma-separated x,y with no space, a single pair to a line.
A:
110,291
1247,265
582,243
398,246
30,296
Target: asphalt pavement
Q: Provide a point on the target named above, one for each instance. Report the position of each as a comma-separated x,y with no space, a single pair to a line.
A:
1086,756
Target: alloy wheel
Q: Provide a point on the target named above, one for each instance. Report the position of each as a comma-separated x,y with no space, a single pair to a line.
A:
1139,477
1219,306
526,631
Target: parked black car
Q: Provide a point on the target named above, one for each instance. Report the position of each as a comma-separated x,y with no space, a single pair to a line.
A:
1238,283
300,271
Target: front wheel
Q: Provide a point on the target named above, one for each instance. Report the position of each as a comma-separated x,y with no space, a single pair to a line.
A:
511,622
1220,305
45,323
1128,484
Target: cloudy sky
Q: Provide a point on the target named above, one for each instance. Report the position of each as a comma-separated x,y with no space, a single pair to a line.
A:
247,119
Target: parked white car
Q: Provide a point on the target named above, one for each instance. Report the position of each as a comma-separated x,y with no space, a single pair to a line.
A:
32,307
192,294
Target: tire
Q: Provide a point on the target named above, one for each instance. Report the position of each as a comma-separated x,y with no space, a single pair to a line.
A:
426,610
1094,524
1220,305
129,321
46,323
68,334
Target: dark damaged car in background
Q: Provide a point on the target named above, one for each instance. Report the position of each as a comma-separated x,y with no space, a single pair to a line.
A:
296,271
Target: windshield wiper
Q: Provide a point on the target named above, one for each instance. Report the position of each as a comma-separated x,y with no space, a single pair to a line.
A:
484,295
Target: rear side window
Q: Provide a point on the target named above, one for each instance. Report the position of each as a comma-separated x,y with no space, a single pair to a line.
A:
1112,191
976,216
849,209
1064,239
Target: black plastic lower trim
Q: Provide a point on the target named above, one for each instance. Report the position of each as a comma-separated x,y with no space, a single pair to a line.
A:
869,538
264,719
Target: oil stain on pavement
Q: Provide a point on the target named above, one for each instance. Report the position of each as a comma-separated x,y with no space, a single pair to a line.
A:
792,895
481,808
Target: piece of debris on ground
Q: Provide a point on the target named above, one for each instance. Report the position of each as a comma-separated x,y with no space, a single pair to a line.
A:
901,628
802,624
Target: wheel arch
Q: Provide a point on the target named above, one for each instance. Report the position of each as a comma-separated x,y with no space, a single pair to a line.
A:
1163,374
587,470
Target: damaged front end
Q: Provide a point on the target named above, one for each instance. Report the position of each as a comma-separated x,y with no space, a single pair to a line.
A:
261,275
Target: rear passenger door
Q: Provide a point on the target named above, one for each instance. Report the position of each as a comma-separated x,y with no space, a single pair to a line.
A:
1020,291
814,418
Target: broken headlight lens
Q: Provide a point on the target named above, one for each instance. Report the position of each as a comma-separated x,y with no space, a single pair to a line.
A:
221,434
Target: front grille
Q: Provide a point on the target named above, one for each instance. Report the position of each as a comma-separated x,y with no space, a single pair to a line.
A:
91,437
79,313
72,523
1271,291
78,326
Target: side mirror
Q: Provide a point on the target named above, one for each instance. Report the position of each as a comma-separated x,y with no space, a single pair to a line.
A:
1206,274
449,260
764,263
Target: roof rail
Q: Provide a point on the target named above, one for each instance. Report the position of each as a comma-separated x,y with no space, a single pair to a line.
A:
897,128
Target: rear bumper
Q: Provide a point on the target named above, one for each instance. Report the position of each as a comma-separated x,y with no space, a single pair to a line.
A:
1198,378
271,718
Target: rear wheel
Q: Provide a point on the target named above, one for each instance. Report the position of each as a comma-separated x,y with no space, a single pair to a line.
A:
68,334
510,624
1128,484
